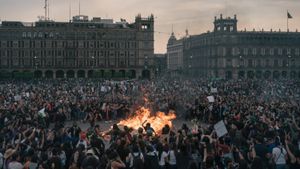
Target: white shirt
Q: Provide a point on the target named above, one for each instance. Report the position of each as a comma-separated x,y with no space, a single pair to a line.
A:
162,160
15,165
279,154
172,159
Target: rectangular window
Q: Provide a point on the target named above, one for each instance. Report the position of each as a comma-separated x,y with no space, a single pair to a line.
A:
297,51
250,63
233,51
228,63
224,51
245,51
254,52
276,62
288,51
241,62
258,63
263,51
271,51
279,51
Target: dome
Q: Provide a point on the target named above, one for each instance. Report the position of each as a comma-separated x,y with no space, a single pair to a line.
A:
172,39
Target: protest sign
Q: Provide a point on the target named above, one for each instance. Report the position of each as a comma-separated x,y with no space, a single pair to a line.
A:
211,99
214,90
17,98
220,128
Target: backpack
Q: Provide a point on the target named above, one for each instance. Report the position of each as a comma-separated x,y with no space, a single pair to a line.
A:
137,162
151,162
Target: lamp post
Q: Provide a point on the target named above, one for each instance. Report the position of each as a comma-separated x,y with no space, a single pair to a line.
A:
241,60
190,64
93,62
35,62
240,65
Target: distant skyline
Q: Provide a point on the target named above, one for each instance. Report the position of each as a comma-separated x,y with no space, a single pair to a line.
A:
195,15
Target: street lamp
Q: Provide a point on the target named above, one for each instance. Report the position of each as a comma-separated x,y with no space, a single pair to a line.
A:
240,61
93,62
190,64
35,62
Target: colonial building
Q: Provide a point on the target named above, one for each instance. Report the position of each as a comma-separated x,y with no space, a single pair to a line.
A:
174,53
228,53
79,48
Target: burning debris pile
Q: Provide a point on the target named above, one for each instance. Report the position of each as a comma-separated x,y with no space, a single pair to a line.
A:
144,115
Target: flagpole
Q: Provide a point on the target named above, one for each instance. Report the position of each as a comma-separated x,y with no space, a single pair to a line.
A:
287,22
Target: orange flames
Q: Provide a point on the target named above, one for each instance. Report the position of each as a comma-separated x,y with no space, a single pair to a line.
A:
143,114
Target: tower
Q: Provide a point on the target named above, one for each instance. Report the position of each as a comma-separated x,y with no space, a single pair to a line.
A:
145,40
225,24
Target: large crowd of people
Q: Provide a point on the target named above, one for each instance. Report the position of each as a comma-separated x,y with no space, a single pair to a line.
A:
261,117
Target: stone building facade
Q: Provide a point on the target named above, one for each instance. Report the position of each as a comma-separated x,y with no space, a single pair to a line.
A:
174,53
80,48
229,53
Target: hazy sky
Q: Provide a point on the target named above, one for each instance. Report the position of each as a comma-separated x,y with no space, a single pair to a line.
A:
196,15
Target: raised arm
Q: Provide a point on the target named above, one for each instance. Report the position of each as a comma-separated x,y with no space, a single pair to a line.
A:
32,134
252,152
43,140
290,154
240,154
295,124
205,154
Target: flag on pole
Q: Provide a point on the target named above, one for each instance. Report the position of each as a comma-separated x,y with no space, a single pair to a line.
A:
289,15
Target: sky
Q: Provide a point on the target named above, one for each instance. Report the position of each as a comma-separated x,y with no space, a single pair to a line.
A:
195,15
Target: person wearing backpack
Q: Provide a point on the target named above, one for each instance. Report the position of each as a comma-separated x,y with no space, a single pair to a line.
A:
151,158
279,155
135,159
172,157
163,154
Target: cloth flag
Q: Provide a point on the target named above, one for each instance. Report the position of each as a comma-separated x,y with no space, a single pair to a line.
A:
289,15
42,113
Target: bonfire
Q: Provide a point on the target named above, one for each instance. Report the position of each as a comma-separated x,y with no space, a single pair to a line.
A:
143,115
